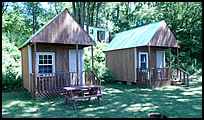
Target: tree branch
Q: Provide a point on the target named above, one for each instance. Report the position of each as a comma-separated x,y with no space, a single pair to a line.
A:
4,9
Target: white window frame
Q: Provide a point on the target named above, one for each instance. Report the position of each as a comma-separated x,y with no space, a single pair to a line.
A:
53,60
144,53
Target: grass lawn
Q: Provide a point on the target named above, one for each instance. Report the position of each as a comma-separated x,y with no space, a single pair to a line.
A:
121,101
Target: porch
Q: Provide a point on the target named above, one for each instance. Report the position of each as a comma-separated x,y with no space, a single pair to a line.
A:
161,76
50,85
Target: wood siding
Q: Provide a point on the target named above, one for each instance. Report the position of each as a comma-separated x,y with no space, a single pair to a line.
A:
61,55
163,37
64,30
153,54
121,63
25,66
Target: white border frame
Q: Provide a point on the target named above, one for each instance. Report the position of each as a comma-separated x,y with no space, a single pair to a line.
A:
145,53
46,53
30,65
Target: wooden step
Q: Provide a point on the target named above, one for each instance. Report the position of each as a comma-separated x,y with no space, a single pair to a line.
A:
177,83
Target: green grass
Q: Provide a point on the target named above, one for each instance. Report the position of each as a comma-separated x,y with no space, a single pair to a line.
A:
121,101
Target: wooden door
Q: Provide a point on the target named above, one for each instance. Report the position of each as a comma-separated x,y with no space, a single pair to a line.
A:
72,65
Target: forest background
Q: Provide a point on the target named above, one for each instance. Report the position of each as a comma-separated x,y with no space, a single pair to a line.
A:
22,19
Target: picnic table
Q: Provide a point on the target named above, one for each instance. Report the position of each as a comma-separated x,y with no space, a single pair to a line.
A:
81,92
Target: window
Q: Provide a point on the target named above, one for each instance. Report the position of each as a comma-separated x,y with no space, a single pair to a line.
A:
143,60
91,31
101,35
45,62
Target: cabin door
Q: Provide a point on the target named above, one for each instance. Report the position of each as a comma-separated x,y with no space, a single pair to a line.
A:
160,59
73,65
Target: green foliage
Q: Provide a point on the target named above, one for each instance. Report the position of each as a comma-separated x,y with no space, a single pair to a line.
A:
11,70
99,62
183,18
10,81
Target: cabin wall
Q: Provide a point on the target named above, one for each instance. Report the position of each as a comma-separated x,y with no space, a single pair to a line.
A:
153,55
25,66
121,63
61,55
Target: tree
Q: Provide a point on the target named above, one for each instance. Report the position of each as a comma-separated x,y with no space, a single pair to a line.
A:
4,7
88,17
92,13
74,9
98,6
33,9
82,14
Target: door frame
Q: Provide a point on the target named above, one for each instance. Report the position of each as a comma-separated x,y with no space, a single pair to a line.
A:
163,60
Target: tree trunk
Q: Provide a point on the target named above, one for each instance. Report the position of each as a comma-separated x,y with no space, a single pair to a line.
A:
56,8
98,6
92,13
88,17
79,4
77,12
74,9
82,15
107,20
127,10
33,12
118,11
3,10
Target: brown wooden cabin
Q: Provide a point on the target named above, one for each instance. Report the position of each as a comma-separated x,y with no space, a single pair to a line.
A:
138,56
49,57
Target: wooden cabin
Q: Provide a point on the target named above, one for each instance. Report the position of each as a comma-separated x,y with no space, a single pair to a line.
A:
53,57
138,56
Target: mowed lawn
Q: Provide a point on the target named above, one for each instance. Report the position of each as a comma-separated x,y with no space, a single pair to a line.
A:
121,101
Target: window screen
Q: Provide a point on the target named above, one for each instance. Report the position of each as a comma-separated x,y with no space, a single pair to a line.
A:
45,63
143,61
101,35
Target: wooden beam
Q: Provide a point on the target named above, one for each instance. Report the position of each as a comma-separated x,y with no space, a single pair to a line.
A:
177,61
169,63
77,64
137,63
92,56
149,64
35,58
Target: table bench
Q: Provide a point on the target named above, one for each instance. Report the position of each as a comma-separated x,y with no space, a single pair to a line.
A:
85,91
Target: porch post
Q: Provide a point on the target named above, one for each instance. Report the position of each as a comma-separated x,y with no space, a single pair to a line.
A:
169,63
149,64
92,63
35,58
177,61
137,63
77,64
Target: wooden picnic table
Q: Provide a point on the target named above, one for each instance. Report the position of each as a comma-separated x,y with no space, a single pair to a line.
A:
81,92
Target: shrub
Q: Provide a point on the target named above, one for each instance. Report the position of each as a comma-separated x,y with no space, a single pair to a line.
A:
11,70
99,62
10,82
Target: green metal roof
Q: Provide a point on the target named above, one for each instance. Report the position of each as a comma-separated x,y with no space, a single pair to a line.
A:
135,37
38,31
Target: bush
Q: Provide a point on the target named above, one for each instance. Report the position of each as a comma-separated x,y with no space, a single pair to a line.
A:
11,66
101,71
10,82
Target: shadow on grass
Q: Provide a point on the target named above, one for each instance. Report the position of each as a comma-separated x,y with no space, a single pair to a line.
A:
120,101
